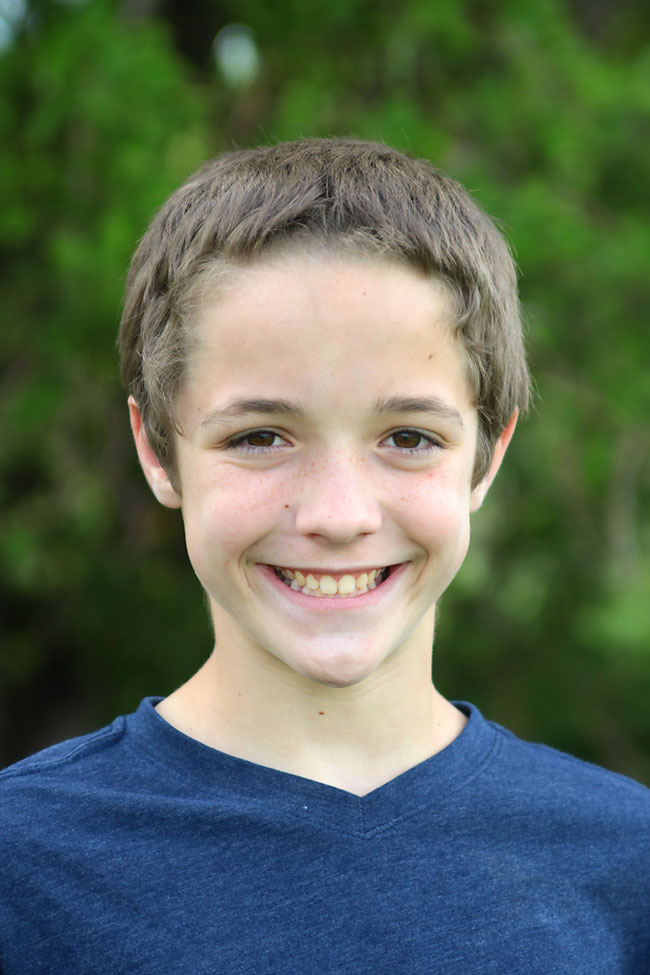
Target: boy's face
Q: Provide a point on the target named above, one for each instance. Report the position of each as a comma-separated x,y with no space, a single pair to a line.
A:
328,433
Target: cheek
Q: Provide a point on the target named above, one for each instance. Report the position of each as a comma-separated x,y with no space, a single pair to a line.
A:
435,514
436,505
229,514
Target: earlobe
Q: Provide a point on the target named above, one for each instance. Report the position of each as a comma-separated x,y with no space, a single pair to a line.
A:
154,472
478,493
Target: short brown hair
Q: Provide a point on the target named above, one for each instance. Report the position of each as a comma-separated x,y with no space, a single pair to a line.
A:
339,192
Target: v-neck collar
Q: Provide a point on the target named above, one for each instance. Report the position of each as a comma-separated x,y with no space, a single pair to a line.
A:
208,772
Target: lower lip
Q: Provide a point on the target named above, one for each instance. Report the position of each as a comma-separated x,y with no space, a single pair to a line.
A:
336,604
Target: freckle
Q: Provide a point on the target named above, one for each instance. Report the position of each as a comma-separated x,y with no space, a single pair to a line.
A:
286,505
321,712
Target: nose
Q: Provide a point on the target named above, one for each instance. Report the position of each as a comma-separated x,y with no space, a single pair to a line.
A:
338,500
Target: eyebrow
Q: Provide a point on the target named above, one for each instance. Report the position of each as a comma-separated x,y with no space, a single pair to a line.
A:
272,407
244,407
418,404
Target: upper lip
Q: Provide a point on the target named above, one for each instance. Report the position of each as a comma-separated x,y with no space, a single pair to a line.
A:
356,570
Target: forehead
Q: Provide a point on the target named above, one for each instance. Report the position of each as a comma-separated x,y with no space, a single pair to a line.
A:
324,323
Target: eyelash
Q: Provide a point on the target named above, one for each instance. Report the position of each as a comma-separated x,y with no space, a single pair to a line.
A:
239,442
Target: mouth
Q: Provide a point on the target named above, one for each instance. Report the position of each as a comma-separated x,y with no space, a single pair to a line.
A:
341,585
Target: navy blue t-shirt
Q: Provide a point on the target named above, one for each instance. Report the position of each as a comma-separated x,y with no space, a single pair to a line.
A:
139,850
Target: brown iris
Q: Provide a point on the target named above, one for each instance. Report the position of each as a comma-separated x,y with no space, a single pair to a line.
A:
407,439
261,438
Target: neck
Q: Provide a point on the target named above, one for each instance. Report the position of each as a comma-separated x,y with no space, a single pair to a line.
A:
355,738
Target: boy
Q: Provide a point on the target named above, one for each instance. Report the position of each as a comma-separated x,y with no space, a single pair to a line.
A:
323,355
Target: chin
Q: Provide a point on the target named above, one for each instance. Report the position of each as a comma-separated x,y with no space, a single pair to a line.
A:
335,672
336,680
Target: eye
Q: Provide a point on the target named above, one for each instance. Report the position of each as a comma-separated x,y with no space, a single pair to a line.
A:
413,441
256,442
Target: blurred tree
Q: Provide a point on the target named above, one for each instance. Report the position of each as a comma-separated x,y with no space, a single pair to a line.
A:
99,121
540,111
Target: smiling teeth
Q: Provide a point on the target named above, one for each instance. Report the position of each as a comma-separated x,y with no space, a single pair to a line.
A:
326,585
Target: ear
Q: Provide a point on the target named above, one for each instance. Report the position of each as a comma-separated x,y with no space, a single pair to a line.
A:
154,472
478,493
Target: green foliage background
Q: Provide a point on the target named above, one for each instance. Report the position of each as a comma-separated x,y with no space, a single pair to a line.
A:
543,111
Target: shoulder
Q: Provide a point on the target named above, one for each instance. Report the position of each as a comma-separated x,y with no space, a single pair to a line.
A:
75,765
99,756
64,752
560,784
